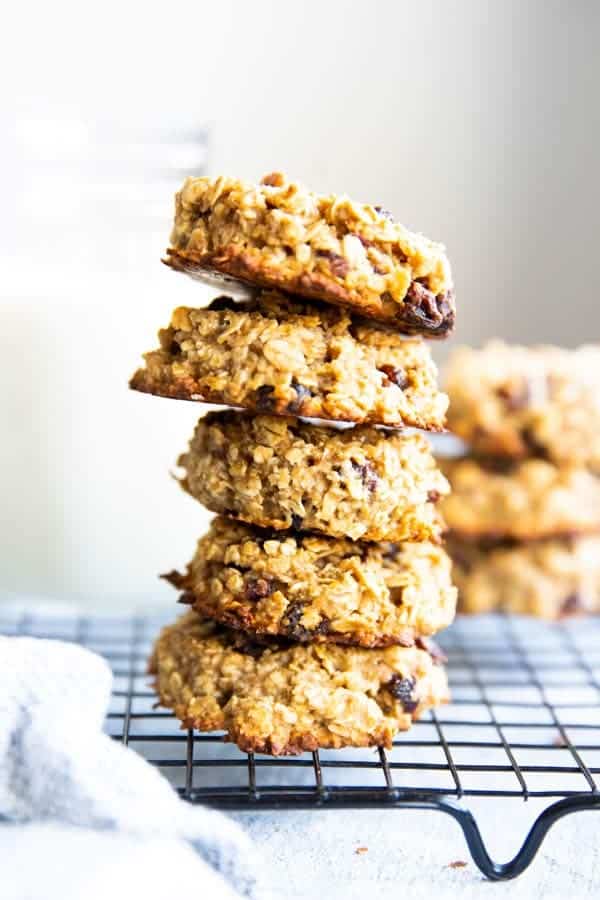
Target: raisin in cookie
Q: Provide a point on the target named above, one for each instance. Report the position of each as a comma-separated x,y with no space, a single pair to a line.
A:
522,500
363,483
285,699
527,401
277,234
550,579
276,355
312,588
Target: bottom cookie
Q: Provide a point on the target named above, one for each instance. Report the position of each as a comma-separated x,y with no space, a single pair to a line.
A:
550,578
281,698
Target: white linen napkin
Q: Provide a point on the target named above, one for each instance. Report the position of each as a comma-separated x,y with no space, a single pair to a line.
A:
82,815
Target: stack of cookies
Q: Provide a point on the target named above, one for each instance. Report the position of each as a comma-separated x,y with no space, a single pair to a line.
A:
314,592
524,514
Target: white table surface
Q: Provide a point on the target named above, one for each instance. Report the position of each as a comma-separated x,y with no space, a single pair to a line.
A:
310,855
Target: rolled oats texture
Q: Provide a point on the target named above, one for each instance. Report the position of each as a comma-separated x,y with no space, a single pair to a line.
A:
278,234
364,483
311,588
286,357
288,699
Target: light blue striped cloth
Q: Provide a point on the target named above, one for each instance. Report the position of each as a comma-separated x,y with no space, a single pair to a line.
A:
83,816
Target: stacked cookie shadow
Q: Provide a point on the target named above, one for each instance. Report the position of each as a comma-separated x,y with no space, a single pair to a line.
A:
314,592
524,513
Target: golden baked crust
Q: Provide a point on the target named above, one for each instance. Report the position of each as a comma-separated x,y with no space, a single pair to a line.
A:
527,401
312,588
281,356
522,500
551,579
363,483
277,234
288,699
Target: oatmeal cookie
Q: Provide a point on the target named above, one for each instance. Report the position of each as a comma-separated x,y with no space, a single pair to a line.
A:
551,578
312,588
522,500
279,235
527,401
363,483
285,699
276,355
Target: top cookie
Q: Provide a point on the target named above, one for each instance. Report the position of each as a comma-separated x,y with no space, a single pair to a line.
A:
513,401
325,247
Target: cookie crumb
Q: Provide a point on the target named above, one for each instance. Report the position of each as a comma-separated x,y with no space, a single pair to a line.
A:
457,864
360,850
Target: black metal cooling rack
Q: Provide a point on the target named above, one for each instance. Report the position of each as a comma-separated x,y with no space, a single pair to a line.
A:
524,723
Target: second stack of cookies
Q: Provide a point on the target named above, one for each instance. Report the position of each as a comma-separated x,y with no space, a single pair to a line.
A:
524,513
322,576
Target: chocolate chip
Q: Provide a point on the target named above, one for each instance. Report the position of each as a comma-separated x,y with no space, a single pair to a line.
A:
515,396
244,644
174,348
426,310
291,623
384,212
419,296
293,629
402,690
367,474
302,392
338,264
220,303
264,398
532,444
433,496
391,551
257,588
297,522
395,376
187,598
572,605
324,626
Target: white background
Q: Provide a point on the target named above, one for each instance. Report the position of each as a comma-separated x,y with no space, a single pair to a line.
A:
475,122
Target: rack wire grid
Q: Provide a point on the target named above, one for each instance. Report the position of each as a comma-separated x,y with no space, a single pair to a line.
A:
524,723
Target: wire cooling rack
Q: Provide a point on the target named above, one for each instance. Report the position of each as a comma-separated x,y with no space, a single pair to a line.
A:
524,723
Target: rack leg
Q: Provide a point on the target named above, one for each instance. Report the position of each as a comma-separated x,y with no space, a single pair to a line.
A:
532,843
